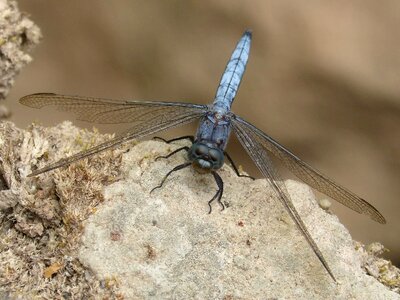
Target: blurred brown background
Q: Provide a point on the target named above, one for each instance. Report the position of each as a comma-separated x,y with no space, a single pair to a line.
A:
323,78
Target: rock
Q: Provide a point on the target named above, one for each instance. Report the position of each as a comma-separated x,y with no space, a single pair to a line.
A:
166,245
41,217
137,245
18,35
380,268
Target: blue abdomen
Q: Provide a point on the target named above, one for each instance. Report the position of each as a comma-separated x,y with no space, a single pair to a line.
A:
233,74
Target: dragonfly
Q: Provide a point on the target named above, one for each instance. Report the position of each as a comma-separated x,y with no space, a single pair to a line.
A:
207,151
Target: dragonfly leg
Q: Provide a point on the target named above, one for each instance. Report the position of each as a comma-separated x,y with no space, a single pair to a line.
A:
186,148
235,168
218,194
177,168
186,137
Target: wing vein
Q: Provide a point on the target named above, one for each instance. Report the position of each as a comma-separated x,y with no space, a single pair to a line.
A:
148,118
313,177
254,148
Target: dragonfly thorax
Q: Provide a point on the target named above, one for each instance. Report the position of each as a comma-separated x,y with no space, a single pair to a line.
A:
206,157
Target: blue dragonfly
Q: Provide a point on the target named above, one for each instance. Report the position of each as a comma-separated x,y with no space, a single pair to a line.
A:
207,152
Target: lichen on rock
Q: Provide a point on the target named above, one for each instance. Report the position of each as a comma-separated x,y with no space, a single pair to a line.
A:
42,217
18,35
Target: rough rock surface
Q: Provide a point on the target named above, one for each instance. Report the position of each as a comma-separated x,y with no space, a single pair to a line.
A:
41,217
165,244
18,35
138,245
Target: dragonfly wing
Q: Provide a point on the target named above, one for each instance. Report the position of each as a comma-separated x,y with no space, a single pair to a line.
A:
148,118
105,111
254,147
311,176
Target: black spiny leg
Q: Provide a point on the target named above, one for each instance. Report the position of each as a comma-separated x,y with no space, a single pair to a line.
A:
186,137
218,194
235,168
177,168
173,152
190,137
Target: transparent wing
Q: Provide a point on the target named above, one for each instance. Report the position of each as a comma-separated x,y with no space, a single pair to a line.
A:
254,147
106,111
311,176
148,118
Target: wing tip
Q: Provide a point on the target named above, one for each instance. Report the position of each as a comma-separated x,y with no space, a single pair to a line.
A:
38,172
373,213
33,174
27,99
379,218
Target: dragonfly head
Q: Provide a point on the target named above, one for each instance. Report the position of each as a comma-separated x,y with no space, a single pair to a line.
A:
206,157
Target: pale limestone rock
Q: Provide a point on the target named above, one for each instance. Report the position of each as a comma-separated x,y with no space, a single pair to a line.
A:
165,244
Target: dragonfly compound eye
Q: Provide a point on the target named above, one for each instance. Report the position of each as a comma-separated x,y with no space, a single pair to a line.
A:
215,155
200,150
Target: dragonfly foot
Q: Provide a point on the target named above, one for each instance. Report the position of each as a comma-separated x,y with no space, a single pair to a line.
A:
219,195
154,188
247,176
235,168
159,138
222,205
